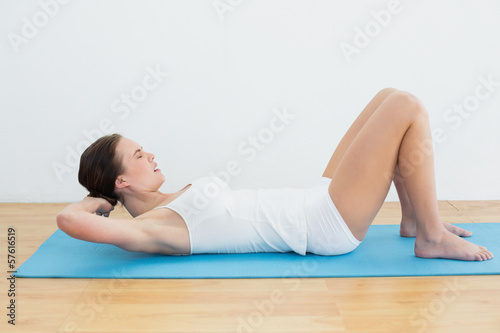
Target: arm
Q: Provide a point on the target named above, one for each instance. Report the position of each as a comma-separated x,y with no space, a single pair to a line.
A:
79,221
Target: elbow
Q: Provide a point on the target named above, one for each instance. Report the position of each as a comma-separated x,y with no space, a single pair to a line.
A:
67,223
63,220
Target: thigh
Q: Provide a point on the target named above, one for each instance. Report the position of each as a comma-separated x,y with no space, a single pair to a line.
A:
354,129
364,175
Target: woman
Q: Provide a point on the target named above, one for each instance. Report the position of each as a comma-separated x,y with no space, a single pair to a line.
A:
390,141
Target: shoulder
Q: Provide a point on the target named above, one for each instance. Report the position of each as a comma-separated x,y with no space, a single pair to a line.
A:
161,216
160,231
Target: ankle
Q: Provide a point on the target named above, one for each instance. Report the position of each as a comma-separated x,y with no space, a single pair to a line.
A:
407,217
431,235
407,213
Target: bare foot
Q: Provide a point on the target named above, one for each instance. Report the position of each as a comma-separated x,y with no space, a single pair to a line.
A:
408,228
449,246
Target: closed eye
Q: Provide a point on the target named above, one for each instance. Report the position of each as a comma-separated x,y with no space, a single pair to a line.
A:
138,151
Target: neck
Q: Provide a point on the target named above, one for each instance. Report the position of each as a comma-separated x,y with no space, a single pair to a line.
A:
137,204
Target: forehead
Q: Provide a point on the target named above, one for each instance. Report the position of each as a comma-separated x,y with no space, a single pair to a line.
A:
127,147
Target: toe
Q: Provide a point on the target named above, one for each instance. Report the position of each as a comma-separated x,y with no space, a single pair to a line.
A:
465,233
489,255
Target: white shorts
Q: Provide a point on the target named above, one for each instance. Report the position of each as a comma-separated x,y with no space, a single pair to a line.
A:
327,232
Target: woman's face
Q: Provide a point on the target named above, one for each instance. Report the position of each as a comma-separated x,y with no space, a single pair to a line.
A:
140,173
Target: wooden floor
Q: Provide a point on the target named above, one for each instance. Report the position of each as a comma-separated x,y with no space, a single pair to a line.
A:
414,304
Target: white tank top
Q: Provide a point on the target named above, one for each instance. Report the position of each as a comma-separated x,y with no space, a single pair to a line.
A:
222,220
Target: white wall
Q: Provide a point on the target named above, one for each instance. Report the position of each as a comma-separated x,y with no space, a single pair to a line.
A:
66,66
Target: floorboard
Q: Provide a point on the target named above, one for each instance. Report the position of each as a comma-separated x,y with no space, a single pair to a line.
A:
389,304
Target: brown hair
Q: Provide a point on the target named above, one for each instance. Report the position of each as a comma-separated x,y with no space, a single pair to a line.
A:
99,168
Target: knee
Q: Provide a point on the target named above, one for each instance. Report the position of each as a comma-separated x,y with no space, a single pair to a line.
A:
386,92
409,104
405,98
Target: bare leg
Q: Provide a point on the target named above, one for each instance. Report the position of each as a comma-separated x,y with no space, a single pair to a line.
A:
408,225
397,133
353,131
406,210
408,222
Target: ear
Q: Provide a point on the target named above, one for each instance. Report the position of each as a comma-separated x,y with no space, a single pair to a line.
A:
121,183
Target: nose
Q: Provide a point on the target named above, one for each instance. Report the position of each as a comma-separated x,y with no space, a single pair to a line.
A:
151,156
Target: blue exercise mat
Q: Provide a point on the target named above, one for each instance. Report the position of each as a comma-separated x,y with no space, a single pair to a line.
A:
382,253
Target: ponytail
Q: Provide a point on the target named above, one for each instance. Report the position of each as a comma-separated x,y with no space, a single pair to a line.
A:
112,201
99,168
